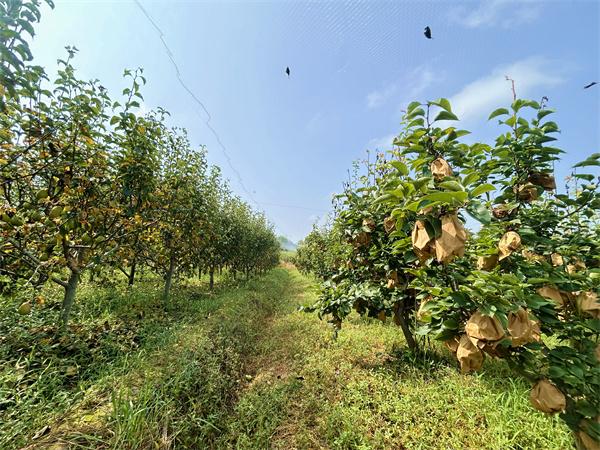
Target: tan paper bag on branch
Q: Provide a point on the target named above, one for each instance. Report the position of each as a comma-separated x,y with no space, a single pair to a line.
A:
422,243
544,180
557,259
510,242
389,224
527,192
468,355
487,262
369,223
587,442
576,266
552,293
546,397
502,211
521,329
362,239
584,439
452,241
452,344
532,256
536,330
588,304
440,169
484,328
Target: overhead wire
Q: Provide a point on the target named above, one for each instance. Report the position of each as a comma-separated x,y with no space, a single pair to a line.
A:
197,100
208,118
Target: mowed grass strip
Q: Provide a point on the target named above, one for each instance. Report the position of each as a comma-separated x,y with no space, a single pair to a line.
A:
363,391
172,388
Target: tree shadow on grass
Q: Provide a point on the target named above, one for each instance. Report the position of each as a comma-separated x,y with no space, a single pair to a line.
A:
433,362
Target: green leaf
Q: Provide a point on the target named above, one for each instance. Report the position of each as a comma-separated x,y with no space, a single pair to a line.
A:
470,178
417,122
451,185
593,160
446,197
397,193
460,133
584,176
444,104
445,115
518,104
479,212
543,113
400,167
417,112
412,106
481,189
420,182
498,112
511,121
413,206
532,104
383,198
26,26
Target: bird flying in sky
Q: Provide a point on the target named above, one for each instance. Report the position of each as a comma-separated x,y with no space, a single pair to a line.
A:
287,71
427,32
590,85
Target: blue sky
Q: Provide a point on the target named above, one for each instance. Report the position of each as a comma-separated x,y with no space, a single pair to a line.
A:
354,66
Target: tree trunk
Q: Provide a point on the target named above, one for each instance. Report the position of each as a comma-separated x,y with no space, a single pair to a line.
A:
69,298
169,280
211,273
131,276
402,315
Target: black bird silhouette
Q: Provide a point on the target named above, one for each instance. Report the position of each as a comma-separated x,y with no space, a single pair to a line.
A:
427,32
590,85
287,71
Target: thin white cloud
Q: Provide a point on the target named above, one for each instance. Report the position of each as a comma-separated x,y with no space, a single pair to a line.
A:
378,98
414,83
421,79
503,13
315,122
409,86
478,98
381,143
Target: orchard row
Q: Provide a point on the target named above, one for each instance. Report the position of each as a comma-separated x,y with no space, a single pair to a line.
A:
521,285
90,183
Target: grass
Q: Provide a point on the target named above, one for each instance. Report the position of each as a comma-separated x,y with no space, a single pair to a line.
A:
130,375
242,368
363,391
